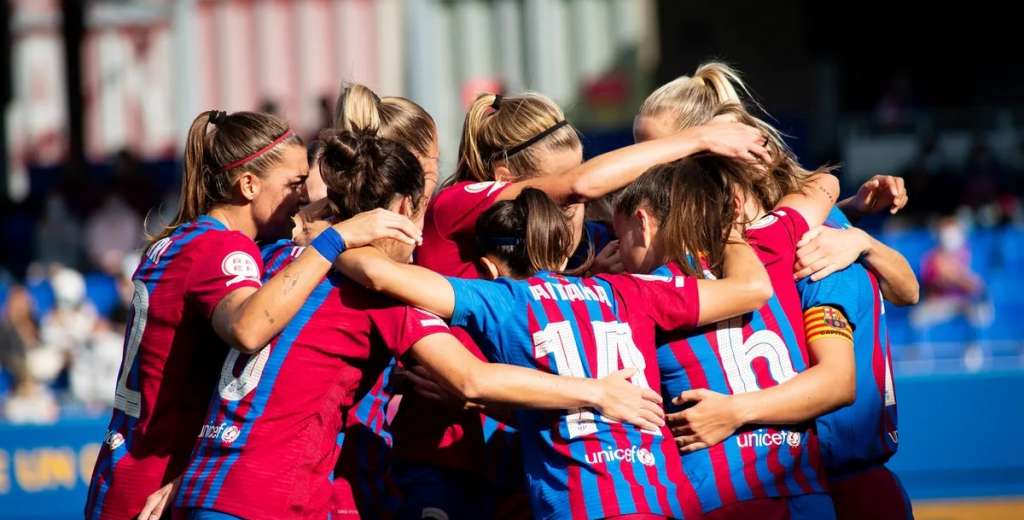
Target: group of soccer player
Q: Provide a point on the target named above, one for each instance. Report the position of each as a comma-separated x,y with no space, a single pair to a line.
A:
687,327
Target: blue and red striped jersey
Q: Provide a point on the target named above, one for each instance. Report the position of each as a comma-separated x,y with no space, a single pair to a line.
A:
864,433
269,445
579,465
171,361
745,354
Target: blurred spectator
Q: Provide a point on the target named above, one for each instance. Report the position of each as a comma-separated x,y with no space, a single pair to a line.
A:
29,401
18,332
63,330
951,288
927,175
58,235
111,233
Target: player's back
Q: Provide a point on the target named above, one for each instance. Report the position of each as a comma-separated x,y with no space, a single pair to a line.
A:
747,353
578,464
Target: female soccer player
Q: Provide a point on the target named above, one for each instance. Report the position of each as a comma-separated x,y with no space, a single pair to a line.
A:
675,209
578,464
510,143
268,447
198,290
714,91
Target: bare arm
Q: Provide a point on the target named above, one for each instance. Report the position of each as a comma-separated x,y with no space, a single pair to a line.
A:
879,193
411,284
613,170
744,287
249,318
477,381
823,251
815,199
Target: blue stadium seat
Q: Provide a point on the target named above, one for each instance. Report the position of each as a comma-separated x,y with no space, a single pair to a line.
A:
42,297
101,290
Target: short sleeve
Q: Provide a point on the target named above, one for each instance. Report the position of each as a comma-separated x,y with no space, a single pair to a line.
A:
457,208
224,262
672,302
775,235
480,307
401,326
839,289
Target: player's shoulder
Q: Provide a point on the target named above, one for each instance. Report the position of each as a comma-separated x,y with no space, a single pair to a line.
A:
774,218
469,189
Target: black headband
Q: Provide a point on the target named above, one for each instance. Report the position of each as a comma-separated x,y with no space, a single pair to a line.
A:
496,104
499,241
219,117
533,140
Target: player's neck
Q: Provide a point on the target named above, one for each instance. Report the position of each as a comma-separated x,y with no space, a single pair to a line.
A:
235,218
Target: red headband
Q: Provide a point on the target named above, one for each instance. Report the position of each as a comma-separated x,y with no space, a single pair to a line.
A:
235,164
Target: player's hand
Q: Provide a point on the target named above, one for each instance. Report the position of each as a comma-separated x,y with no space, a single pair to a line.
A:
824,250
621,400
881,192
376,224
710,421
310,221
159,502
608,260
735,140
423,382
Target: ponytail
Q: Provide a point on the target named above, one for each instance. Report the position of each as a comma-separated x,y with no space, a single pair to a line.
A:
242,141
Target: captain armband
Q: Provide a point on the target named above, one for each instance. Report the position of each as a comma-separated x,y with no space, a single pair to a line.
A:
824,322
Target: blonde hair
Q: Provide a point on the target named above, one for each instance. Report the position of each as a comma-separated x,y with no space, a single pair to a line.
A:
717,89
396,118
492,128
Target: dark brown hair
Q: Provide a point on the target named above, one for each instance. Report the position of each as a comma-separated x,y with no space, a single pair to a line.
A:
529,233
697,211
363,172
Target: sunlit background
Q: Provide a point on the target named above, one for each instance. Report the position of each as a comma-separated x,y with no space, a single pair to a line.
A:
97,97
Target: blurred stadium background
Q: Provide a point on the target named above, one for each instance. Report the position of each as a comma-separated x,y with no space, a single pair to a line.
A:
97,97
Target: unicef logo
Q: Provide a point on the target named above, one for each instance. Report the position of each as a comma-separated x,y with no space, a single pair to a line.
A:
645,457
229,435
793,439
114,440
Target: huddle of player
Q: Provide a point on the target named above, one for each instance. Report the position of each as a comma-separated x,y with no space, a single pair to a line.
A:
319,334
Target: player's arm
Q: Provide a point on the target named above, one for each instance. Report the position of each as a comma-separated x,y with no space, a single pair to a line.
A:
613,170
815,198
614,396
744,286
248,318
879,193
829,383
424,383
824,250
412,284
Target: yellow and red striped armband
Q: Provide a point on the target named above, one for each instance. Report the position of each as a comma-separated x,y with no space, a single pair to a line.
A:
826,322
